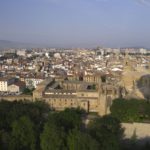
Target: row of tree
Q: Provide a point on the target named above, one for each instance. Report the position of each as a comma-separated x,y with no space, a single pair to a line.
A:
33,126
131,110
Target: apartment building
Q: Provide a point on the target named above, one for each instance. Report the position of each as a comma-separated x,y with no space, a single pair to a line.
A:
5,82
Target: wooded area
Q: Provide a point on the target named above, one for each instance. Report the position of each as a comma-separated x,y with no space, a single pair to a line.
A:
33,126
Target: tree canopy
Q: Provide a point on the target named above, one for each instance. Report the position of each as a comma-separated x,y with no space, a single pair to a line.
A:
107,131
28,125
131,110
23,134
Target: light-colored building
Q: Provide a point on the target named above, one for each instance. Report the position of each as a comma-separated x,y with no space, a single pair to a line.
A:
33,82
5,82
16,87
143,51
21,52
90,96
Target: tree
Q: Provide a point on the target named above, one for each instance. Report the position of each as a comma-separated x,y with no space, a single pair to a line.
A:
131,110
28,91
146,146
78,140
58,126
52,138
5,107
68,119
107,131
4,139
133,140
23,135
10,112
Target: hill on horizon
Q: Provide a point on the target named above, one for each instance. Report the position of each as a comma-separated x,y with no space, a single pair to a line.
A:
14,44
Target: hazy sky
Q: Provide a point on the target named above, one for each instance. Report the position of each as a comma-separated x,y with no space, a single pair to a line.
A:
76,23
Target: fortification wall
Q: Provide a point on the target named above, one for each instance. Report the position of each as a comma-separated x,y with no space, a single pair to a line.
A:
19,97
141,130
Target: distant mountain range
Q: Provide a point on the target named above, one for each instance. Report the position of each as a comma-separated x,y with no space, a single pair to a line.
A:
4,44
13,44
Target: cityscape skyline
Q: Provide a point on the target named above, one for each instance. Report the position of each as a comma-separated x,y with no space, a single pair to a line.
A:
74,74
76,23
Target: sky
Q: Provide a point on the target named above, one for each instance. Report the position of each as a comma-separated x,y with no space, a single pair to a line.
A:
76,23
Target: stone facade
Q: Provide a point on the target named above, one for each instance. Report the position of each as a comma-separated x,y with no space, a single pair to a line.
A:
16,87
140,130
90,94
5,82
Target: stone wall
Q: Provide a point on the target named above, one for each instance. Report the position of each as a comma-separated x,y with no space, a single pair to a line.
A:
19,97
141,130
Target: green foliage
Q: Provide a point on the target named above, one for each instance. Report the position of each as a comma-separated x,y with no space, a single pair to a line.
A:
67,129
10,112
146,146
130,145
78,140
4,139
52,138
28,125
107,131
131,110
23,134
103,78
91,87
68,119
28,91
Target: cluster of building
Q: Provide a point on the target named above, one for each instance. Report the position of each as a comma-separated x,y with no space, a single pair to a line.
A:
89,79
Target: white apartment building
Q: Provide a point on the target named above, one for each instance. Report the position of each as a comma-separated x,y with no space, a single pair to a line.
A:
21,52
33,82
143,51
5,82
